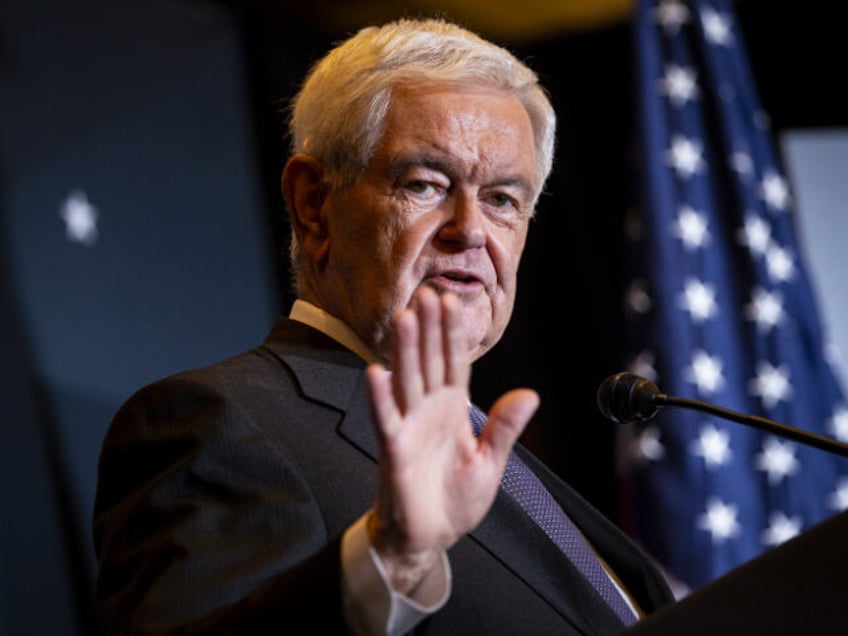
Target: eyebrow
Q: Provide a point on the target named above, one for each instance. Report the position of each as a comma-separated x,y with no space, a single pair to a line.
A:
400,164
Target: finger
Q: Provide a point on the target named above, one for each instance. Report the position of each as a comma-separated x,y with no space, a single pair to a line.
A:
428,307
508,418
454,342
407,382
383,406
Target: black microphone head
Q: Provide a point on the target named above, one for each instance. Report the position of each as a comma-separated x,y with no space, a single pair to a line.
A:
628,398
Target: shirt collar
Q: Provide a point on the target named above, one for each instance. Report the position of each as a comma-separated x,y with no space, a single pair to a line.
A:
309,314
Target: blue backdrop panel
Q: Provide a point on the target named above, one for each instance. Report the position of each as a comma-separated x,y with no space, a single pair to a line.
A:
132,119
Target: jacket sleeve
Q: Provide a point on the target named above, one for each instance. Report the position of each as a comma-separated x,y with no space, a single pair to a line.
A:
204,525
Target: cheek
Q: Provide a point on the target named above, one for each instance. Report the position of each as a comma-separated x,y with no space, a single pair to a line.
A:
382,250
506,250
406,238
360,230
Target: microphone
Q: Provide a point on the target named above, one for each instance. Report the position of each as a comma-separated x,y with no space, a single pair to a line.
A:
627,398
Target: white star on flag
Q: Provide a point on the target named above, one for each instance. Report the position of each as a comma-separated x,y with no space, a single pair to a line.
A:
685,156
775,192
755,234
679,84
80,218
838,499
716,27
771,383
643,364
765,309
741,163
638,298
719,520
838,424
672,14
781,528
691,227
777,460
705,373
648,445
713,444
779,263
699,300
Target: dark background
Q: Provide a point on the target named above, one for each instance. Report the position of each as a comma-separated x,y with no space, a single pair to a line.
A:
168,114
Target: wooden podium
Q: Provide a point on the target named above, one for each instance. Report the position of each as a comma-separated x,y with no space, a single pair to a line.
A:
799,588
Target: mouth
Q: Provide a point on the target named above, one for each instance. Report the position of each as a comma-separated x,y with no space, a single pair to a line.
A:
461,277
457,281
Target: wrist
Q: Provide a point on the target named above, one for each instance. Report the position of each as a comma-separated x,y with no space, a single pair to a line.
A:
404,567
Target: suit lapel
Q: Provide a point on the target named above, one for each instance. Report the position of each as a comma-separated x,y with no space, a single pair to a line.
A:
515,540
645,582
327,373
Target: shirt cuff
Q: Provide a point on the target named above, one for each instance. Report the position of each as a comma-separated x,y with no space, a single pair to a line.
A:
371,607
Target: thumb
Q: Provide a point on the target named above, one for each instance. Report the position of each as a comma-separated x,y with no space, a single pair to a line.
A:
507,419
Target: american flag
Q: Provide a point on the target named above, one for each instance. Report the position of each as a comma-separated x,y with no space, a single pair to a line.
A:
720,309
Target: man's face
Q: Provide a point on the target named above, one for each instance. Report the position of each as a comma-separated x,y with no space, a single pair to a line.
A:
445,202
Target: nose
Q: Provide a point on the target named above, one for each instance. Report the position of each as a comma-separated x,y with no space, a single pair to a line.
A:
465,223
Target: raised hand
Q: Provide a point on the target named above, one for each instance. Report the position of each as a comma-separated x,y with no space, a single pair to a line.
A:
437,481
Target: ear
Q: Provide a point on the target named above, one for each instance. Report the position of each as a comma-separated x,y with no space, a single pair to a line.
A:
304,192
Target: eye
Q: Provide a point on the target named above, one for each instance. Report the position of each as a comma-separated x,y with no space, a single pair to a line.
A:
428,190
501,200
419,187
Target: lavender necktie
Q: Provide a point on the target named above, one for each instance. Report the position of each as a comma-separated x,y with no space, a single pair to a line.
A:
523,486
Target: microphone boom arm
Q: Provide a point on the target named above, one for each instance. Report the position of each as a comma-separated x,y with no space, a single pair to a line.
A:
811,439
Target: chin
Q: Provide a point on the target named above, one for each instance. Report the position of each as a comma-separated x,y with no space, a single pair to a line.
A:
479,345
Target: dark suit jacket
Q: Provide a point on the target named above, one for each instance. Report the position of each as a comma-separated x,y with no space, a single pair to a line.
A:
223,493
